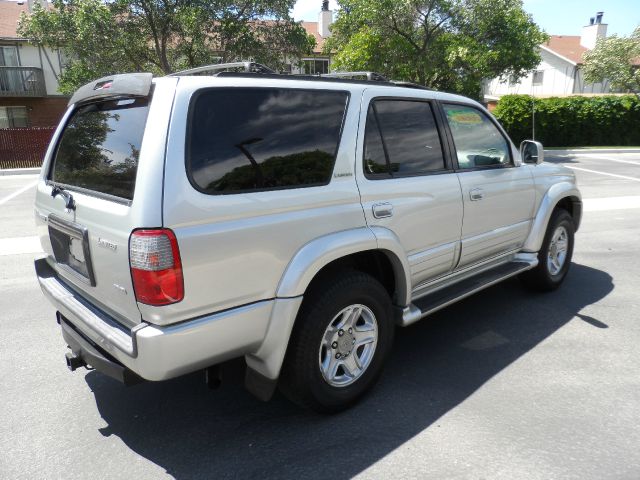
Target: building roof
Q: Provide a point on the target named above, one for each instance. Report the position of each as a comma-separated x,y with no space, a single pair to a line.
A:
312,29
10,11
567,46
9,15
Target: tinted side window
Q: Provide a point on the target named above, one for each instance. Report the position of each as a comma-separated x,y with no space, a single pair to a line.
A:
100,146
401,139
248,139
375,159
478,141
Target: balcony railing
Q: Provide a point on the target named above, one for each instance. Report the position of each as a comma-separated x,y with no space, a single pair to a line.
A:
22,82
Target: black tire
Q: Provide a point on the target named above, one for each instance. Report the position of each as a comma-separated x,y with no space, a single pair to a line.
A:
541,278
302,380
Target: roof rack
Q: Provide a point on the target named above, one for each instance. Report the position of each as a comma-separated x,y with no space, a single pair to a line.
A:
252,67
248,67
371,76
399,83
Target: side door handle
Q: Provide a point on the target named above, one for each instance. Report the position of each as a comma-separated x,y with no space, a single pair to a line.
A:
382,210
476,194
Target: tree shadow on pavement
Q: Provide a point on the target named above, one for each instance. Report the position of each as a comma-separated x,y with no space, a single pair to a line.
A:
436,364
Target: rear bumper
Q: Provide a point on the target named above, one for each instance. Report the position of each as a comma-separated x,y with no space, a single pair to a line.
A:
90,354
150,351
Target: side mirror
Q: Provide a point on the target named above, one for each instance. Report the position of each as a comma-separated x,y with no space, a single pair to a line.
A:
532,152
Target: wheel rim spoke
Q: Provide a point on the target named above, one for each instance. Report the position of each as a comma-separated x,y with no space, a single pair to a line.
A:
364,340
330,366
351,366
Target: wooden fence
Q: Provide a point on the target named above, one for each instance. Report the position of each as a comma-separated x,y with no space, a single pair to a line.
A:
23,147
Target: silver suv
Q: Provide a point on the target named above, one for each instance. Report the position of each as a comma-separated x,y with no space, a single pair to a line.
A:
293,221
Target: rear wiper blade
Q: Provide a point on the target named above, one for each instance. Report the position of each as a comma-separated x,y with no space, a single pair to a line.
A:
69,202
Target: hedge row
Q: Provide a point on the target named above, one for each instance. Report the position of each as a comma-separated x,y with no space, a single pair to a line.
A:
572,121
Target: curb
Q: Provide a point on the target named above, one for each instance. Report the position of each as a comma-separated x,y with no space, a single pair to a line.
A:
19,171
592,150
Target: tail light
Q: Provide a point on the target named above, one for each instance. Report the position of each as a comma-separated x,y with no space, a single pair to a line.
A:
156,269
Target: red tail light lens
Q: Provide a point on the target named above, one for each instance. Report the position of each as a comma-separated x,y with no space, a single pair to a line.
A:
156,269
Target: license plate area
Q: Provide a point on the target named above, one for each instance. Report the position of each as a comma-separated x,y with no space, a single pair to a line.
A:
70,243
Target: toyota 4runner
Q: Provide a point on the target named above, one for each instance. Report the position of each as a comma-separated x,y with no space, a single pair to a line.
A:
294,221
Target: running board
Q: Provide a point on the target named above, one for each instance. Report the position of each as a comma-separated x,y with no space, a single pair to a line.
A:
443,298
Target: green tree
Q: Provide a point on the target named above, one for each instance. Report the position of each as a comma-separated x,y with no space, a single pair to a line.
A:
162,36
616,59
444,44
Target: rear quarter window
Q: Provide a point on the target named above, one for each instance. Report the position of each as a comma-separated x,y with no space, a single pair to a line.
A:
253,139
100,147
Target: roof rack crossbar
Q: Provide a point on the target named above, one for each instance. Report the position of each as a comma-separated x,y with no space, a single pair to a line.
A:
399,83
371,76
252,67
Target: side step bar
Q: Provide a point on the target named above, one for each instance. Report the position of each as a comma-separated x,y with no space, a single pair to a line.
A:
443,298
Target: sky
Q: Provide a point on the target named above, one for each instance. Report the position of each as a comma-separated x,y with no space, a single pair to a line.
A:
556,17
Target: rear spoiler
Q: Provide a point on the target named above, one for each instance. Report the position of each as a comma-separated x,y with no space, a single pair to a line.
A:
122,85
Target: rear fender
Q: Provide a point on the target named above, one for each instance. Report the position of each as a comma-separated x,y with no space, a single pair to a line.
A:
267,359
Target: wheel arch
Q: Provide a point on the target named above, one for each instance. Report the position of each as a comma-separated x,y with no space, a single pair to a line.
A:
561,195
376,251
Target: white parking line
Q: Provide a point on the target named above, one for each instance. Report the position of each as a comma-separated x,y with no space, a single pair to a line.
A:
609,159
17,192
19,245
635,179
611,203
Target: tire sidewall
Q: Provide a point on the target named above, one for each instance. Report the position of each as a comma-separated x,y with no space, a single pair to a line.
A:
560,218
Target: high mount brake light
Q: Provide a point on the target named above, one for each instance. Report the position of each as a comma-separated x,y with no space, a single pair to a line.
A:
156,269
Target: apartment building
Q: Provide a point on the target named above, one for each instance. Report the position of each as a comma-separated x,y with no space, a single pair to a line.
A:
29,95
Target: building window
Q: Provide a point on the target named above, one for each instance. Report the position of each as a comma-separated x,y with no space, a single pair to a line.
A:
316,66
9,56
13,117
538,77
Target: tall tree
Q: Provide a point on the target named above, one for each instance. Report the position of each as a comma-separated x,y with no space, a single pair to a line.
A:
102,37
444,44
616,59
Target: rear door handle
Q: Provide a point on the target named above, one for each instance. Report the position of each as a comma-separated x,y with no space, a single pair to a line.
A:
476,194
382,210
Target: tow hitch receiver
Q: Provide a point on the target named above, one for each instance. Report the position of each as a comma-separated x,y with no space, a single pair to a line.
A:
74,361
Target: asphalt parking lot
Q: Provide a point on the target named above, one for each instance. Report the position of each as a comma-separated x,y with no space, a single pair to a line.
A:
504,385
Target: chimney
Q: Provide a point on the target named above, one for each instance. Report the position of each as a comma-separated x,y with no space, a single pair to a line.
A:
325,19
592,32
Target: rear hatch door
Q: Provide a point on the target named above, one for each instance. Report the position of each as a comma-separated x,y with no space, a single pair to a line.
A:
102,179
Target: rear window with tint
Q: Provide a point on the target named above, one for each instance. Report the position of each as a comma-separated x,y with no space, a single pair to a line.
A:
248,139
100,146
401,139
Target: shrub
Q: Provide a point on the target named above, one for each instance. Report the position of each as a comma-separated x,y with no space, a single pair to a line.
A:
572,121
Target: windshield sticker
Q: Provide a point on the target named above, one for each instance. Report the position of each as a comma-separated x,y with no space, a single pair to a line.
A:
464,117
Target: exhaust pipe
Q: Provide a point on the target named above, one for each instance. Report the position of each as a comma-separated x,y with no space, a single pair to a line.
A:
74,361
